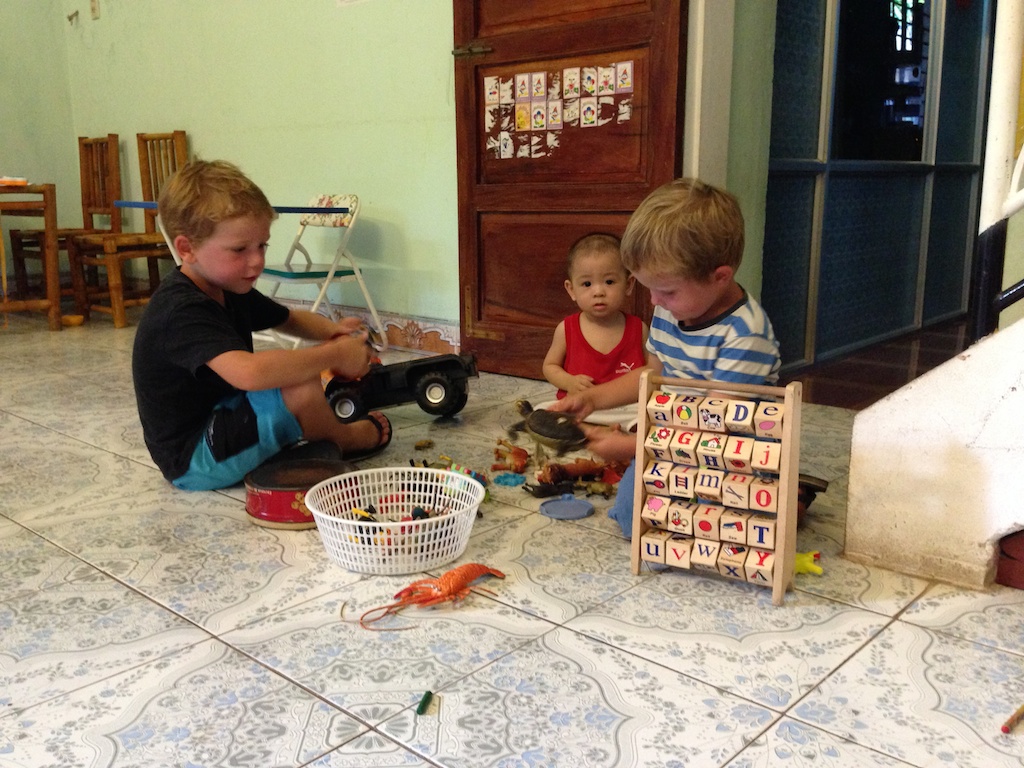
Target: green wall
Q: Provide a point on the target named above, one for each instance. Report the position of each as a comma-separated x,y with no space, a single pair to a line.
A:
307,96
36,136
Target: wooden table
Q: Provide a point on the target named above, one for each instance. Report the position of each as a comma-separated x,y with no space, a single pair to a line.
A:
45,205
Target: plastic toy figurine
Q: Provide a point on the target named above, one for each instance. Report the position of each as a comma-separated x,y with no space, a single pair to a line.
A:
452,585
437,384
558,431
807,562
510,457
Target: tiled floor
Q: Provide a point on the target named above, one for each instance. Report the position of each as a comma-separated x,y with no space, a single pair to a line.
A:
142,626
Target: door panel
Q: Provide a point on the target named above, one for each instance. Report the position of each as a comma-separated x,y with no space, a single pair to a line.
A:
569,114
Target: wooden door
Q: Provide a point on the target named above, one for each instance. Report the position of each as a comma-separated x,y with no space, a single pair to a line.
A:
569,114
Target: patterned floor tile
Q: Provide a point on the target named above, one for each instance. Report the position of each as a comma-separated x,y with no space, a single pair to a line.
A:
568,701
205,705
994,617
925,698
374,673
730,636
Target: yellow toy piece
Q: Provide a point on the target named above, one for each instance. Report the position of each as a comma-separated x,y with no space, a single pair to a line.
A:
807,562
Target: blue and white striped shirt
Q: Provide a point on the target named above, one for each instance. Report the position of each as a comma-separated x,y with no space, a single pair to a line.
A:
739,346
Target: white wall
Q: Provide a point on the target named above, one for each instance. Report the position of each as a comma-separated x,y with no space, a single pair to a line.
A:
937,468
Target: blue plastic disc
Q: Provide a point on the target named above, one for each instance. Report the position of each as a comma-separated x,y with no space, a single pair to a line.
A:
568,507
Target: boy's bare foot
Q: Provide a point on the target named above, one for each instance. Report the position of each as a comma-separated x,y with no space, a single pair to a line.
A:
367,437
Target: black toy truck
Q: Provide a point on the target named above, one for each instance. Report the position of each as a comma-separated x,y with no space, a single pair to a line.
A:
437,384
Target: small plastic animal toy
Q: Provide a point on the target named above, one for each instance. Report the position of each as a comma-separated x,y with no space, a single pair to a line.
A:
580,469
510,457
451,585
558,431
807,562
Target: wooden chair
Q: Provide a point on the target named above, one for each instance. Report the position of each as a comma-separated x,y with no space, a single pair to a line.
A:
99,168
160,155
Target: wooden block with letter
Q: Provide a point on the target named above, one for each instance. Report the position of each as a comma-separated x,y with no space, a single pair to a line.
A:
732,482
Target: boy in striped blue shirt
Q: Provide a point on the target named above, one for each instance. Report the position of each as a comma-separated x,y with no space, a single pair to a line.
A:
684,243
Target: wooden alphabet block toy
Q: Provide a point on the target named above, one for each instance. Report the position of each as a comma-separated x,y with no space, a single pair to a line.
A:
733,526
711,414
759,567
655,510
684,411
682,482
656,477
739,417
719,481
731,560
738,449
768,420
711,450
653,545
678,550
704,556
705,521
766,456
684,447
657,443
761,531
680,517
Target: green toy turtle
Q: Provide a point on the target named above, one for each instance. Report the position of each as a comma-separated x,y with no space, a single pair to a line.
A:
558,431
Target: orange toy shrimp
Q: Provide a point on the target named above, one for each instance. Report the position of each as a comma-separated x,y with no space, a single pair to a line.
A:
451,585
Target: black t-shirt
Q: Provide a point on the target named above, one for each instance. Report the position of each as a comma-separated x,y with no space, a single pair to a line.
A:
181,330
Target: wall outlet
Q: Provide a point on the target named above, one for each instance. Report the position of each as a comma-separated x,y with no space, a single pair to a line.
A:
94,8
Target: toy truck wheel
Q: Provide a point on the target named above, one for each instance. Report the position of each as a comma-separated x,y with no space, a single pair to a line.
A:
438,395
347,404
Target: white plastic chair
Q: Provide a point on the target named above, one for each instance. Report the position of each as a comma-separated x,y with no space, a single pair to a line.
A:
299,267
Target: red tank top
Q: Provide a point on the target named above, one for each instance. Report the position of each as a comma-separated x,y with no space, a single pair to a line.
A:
580,357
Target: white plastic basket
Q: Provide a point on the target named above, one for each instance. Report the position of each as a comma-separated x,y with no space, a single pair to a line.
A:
391,545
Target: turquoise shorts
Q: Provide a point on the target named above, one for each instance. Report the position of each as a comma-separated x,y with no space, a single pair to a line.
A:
244,430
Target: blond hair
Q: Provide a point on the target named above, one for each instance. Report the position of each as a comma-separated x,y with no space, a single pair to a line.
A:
685,228
593,244
204,193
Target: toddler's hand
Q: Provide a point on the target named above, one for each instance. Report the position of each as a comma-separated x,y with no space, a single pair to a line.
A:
351,356
579,383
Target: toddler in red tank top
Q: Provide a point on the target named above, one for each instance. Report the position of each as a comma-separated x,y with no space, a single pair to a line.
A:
600,342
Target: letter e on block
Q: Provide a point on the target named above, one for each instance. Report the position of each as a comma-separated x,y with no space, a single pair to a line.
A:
768,420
